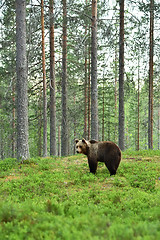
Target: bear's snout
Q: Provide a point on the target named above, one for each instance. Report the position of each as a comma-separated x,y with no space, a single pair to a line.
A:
77,151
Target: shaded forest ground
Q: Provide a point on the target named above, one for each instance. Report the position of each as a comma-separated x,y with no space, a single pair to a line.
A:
57,198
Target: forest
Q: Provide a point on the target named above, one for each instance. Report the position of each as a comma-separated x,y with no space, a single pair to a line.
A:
73,69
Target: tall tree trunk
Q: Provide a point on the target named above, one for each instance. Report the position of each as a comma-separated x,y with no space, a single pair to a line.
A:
13,123
94,90
64,130
52,84
85,87
137,147
21,69
39,140
59,140
1,144
89,94
115,98
150,112
121,77
85,90
74,123
159,124
116,81
103,111
145,127
44,86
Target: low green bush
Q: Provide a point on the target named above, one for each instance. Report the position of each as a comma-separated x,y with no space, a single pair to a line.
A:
57,198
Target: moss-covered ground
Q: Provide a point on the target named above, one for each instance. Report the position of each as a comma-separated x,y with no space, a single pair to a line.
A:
57,198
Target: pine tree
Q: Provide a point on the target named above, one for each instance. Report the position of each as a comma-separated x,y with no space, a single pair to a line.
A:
64,130
52,85
44,86
150,112
121,77
94,90
21,69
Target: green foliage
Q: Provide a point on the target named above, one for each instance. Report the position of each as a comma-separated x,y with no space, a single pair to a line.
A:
6,165
143,153
78,48
57,198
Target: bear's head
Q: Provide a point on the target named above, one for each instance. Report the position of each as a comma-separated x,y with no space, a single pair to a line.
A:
82,146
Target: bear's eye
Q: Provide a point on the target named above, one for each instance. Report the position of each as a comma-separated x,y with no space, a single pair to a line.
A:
80,146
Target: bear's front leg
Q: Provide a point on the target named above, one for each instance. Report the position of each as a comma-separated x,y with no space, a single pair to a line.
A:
92,165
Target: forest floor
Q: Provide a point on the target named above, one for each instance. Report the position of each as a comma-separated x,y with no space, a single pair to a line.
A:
57,198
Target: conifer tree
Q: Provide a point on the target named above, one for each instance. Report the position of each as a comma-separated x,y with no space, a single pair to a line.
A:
21,69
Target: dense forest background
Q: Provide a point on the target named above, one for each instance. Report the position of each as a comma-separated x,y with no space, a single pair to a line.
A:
137,47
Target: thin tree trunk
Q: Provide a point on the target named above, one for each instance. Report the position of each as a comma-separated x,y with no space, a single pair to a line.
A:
74,122
85,87
94,90
103,112
59,140
52,85
85,92
21,68
159,124
89,95
39,141
1,144
109,131
145,126
137,147
44,86
121,77
150,112
115,97
13,123
64,130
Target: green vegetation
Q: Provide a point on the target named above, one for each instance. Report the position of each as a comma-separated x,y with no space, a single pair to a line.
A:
57,198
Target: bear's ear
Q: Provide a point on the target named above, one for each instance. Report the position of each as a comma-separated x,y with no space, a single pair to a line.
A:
84,141
76,140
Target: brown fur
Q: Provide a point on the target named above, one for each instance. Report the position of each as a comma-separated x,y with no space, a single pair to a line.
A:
107,152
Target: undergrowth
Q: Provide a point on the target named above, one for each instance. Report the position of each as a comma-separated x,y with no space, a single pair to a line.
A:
57,198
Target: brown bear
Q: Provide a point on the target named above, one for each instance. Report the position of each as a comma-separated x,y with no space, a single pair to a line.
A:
107,152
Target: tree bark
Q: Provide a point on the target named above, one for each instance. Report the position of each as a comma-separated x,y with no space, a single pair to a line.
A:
150,112
13,122
94,90
44,86
121,77
52,85
89,94
85,91
74,122
85,88
39,140
21,69
59,140
64,130
137,145
115,98
103,112
158,125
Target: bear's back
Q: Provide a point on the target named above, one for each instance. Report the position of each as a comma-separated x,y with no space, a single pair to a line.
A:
107,149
